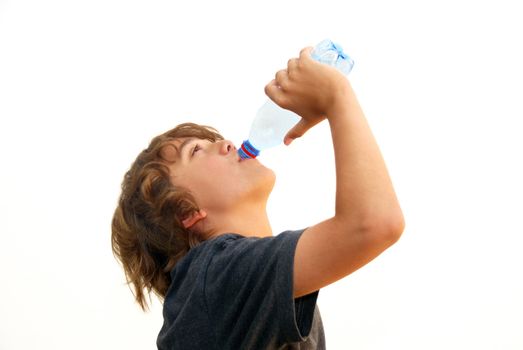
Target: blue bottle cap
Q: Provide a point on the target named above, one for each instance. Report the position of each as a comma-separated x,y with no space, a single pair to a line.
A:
247,150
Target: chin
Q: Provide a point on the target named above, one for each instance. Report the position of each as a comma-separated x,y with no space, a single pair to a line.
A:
264,183
271,180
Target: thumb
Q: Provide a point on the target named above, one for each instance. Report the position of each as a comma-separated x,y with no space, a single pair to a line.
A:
297,131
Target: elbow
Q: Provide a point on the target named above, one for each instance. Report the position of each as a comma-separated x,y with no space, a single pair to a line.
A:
395,229
387,228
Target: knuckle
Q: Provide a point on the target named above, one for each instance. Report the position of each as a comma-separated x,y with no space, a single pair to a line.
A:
282,79
284,84
292,65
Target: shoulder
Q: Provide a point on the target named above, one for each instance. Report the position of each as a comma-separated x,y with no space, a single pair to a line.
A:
228,248
231,244
237,257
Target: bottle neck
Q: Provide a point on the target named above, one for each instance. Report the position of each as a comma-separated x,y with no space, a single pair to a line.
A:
248,151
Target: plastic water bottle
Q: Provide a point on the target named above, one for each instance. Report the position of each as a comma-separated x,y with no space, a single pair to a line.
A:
272,122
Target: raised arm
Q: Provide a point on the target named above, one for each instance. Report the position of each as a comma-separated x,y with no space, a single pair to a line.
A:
368,218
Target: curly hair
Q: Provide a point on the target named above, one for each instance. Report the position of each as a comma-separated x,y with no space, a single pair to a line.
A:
148,237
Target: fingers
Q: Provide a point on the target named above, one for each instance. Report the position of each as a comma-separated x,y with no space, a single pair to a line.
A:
282,78
272,89
276,87
280,90
292,64
275,93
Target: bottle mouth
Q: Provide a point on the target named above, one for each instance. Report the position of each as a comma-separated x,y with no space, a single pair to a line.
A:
248,151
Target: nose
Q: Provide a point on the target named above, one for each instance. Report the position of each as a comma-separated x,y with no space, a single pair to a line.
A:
226,147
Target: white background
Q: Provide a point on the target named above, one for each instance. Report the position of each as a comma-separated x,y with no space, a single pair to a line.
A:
84,86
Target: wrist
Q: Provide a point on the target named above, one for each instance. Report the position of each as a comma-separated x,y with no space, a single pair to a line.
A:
341,102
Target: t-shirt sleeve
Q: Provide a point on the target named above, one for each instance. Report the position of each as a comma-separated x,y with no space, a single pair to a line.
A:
249,293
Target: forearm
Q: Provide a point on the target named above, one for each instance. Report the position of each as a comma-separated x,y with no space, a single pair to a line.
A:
364,190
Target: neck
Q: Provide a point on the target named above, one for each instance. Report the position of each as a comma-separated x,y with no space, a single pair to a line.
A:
248,221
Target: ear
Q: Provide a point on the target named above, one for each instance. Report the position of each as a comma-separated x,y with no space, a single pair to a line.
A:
194,218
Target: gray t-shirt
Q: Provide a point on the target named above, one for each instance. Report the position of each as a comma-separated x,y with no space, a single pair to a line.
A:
235,292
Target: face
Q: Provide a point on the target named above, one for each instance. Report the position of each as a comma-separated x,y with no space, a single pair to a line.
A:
216,175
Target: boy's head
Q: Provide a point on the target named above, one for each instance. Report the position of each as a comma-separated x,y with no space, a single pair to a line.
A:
177,193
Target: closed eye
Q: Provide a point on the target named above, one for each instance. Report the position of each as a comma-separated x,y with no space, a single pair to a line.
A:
195,149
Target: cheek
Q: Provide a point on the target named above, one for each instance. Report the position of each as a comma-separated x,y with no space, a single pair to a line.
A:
220,168
215,176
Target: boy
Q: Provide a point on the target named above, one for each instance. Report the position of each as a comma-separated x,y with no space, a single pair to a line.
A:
191,225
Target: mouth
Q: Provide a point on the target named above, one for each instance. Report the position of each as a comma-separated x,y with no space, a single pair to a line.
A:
240,159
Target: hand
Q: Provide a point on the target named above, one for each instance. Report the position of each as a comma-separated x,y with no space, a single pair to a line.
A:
309,89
